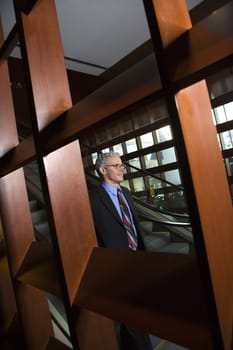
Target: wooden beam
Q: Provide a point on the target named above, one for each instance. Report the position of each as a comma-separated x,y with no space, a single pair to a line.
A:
160,293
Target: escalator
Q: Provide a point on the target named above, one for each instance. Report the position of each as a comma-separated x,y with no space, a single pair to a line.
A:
163,231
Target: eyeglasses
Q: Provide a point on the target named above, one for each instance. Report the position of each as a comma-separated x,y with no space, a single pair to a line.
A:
117,166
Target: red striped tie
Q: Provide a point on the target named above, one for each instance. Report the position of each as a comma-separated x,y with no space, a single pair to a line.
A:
132,239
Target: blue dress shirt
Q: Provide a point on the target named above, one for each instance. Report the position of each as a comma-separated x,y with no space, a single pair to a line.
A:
112,192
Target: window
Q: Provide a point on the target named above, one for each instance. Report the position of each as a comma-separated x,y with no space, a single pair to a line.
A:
94,157
147,140
167,156
226,139
223,113
125,183
151,160
164,134
118,149
229,166
105,150
131,145
173,176
229,111
220,115
157,183
136,163
138,184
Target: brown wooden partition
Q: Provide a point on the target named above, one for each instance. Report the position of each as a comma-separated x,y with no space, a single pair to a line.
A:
185,299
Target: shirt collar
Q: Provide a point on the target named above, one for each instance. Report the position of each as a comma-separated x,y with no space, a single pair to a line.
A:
110,188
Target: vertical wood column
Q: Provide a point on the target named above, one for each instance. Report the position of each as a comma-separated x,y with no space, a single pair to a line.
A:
7,301
18,229
7,298
203,172
214,239
62,175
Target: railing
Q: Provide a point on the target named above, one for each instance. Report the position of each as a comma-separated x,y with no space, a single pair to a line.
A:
164,195
163,231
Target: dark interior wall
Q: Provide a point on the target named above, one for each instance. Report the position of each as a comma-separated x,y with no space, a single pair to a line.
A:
81,85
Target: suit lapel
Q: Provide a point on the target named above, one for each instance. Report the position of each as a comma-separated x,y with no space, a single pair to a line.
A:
108,203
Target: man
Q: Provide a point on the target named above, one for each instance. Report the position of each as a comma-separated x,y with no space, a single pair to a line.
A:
117,226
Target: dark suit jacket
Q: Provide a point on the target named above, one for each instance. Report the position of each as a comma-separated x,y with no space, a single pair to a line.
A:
109,228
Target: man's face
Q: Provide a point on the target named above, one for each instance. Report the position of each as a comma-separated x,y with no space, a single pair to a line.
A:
113,173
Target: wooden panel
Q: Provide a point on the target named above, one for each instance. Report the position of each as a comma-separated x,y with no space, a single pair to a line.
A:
35,316
124,90
7,303
8,132
160,293
173,19
39,269
208,43
46,61
212,195
71,212
95,331
18,231
7,299
16,218
55,344
18,157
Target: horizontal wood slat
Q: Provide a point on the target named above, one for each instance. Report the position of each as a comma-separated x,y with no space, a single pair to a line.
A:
207,44
18,156
39,269
168,300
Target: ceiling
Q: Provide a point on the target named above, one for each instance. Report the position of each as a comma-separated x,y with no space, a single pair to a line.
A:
95,33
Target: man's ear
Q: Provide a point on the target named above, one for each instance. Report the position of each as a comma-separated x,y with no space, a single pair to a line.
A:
102,170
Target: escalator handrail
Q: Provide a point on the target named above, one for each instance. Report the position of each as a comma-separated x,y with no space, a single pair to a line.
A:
147,173
141,171
164,222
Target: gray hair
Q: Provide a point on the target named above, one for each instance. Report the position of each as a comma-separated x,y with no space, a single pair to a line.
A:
101,160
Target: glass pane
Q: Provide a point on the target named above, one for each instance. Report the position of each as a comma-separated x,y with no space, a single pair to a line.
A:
173,176
136,163
105,150
94,157
226,139
147,140
156,183
220,115
229,166
167,155
138,184
125,183
229,110
118,149
164,134
131,145
151,160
